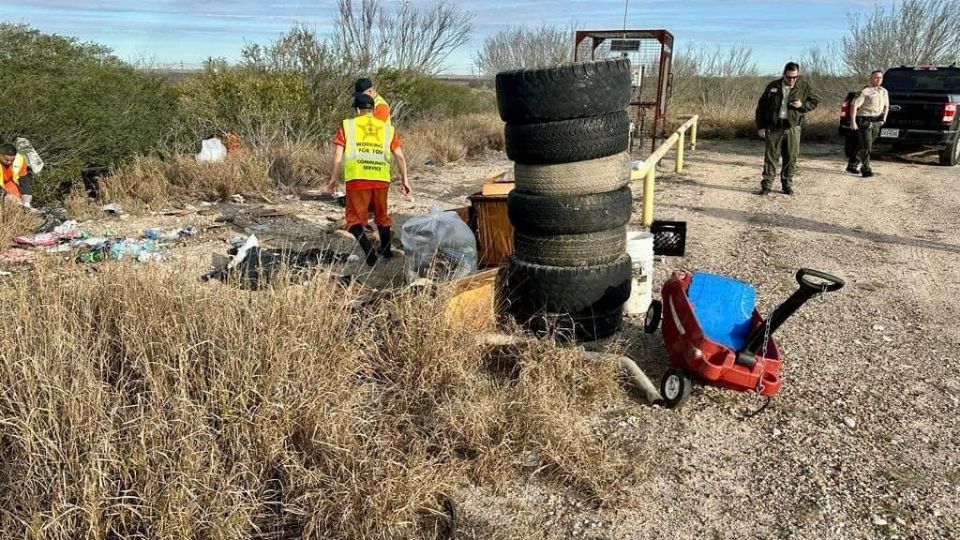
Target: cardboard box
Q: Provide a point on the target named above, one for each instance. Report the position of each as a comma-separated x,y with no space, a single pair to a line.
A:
498,183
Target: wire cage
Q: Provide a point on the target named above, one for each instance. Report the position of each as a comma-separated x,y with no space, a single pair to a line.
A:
651,59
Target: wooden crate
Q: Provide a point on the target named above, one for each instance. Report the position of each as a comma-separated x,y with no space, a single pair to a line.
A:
493,229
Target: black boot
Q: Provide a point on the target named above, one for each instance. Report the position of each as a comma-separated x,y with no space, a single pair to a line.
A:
365,245
384,242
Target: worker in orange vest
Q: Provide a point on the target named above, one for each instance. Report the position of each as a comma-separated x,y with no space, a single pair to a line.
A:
17,177
364,147
381,109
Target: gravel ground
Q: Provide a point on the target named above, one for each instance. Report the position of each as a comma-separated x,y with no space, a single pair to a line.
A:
862,440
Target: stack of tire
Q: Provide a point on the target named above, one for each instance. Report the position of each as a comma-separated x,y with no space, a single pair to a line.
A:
567,131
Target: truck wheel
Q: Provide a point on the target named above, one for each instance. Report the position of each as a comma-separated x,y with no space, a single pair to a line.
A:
675,387
576,90
950,155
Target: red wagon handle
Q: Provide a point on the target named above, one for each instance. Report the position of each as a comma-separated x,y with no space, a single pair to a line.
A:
808,289
830,282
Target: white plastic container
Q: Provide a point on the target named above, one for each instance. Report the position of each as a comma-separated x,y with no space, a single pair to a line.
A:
640,249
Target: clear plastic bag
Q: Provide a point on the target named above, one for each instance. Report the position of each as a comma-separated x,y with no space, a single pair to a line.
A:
438,246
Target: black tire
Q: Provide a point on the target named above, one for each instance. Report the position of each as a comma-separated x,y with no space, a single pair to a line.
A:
652,319
950,156
562,92
584,326
535,288
580,214
594,248
566,141
675,387
577,178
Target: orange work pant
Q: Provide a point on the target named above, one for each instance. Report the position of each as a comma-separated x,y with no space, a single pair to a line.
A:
361,201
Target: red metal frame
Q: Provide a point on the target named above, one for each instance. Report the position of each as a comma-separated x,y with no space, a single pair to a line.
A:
664,79
707,360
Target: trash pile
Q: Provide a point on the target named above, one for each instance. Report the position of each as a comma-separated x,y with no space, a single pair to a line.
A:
438,246
89,248
254,266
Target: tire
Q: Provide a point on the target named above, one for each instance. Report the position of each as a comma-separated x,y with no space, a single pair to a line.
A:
580,214
950,156
588,249
535,288
566,141
573,327
576,178
675,387
652,319
562,92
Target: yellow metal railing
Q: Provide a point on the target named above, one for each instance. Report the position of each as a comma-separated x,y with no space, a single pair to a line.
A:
648,171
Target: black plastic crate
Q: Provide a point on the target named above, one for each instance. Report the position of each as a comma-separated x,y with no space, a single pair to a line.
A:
669,237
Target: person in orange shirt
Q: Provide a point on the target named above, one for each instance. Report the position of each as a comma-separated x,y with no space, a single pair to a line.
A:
364,147
17,176
381,109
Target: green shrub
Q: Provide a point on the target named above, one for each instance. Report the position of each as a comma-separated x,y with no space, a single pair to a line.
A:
78,104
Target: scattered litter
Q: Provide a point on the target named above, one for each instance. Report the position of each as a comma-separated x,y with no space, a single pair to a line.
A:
171,235
15,256
4,273
879,328
52,217
113,209
65,231
850,422
212,150
237,198
879,521
255,266
123,249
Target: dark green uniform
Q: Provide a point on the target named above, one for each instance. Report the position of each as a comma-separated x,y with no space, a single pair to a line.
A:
783,135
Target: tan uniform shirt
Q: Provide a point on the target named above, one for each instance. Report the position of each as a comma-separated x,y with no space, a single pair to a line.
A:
873,101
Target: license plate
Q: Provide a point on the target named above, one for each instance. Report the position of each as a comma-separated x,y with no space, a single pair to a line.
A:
889,133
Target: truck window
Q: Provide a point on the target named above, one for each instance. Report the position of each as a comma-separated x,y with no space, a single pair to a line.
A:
941,80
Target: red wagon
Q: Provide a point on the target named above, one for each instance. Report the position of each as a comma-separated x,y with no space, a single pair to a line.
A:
714,333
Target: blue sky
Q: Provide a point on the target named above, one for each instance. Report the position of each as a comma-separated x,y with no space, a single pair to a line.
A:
171,31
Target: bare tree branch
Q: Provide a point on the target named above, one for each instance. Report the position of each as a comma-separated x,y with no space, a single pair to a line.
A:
910,32
522,47
409,38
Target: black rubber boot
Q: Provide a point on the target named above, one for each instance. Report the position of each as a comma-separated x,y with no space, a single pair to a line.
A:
384,250
365,245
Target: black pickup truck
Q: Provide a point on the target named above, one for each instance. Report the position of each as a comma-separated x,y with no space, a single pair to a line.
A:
923,110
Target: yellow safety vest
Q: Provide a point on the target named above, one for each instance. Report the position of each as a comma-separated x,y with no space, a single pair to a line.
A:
367,154
15,167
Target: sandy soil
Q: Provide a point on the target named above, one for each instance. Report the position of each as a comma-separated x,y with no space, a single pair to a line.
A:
863,439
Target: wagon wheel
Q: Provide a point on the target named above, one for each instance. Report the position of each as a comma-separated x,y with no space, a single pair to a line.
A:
675,387
652,319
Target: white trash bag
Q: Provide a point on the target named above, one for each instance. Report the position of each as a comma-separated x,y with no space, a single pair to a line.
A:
212,150
438,246
33,157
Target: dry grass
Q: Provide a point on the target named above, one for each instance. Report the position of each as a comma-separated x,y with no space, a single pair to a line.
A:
727,105
452,139
15,221
137,405
149,182
738,122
